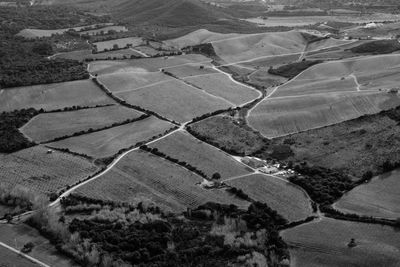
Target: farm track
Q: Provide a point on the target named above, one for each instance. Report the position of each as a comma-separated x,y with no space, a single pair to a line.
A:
40,263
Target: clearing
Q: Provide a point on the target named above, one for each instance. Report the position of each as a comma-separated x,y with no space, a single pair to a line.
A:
324,243
379,198
44,172
48,126
184,147
287,199
108,142
141,175
275,117
53,96
118,43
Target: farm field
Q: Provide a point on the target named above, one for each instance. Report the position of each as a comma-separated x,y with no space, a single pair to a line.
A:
285,198
378,198
175,100
327,43
18,235
145,176
184,147
275,117
108,142
53,96
194,69
104,30
121,43
87,54
43,172
251,47
201,36
48,126
9,258
222,86
271,61
324,243
265,79
145,64
130,81
351,146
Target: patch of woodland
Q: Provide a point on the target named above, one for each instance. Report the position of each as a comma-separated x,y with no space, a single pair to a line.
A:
291,70
377,47
111,234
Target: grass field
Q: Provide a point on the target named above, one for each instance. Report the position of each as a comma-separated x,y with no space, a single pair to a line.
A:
222,86
108,142
379,198
37,33
226,132
204,157
43,172
199,37
145,64
286,199
192,70
145,176
11,259
130,81
53,96
121,43
354,146
87,54
18,235
324,243
175,100
272,61
250,47
326,43
281,116
48,126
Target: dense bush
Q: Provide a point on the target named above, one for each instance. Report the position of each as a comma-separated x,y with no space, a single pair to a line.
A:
378,47
293,69
11,139
323,185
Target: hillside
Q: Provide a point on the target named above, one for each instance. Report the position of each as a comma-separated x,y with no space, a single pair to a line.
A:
168,12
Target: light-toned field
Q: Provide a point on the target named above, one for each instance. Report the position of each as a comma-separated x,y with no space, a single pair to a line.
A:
201,36
87,54
184,147
372,72
324,243
271,61
379,198
222,86
150,51
53,96
175,100
145,64
121,43
253,46
288,200
43,172
281,116
130,81
108,142
18,235
326,43
104,30
192,70
141,175
47,126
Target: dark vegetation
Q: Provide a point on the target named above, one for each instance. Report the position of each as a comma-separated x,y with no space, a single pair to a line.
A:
142,235
293,69
324,186
11,139
23,62
378,47
229,135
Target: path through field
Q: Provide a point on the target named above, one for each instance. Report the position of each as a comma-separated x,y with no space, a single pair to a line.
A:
24,255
